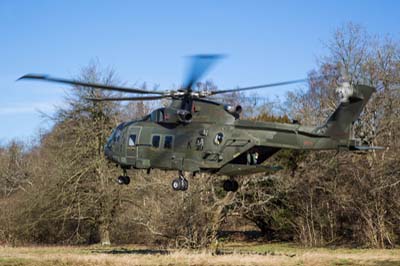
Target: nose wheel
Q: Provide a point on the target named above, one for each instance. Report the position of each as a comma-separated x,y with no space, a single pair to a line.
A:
124,179
180,183
231,185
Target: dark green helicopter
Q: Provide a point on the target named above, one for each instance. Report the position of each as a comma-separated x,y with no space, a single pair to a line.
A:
197,134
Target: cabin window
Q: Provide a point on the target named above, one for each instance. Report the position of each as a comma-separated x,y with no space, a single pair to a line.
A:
168,142
155,141
132,141
157,115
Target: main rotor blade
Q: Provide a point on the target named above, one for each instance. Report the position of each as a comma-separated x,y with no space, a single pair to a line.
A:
199,65
87,84
260,86
145,98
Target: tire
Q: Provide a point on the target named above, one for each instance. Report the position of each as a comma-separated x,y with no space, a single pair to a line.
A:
235,186
184,184
127,180
176,184
230,185
121,180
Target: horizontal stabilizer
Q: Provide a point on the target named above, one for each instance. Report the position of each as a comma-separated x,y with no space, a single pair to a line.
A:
366,148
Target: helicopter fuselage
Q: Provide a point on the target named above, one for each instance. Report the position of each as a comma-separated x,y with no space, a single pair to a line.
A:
215,141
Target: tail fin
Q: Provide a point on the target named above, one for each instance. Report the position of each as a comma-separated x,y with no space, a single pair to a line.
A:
353,101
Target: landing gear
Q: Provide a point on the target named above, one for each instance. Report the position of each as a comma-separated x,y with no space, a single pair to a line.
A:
231,185
124,179
180,183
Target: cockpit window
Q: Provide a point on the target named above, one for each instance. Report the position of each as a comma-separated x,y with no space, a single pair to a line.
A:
132,141
155,141
117,132
110,139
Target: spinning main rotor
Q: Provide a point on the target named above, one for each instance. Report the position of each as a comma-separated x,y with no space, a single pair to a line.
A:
200,64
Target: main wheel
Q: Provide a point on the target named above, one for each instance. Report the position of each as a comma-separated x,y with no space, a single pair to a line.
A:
227,185
235,185
121,180
184,184
231,185
127,180
176,184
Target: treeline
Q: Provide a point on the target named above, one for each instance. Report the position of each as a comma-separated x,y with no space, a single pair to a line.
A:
62,190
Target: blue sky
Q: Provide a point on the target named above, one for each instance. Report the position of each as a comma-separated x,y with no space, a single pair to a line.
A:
146,41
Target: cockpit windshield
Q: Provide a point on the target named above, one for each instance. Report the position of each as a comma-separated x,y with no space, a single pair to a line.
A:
115,135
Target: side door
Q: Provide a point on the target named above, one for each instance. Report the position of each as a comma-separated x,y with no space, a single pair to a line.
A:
131,147
161,150
167,149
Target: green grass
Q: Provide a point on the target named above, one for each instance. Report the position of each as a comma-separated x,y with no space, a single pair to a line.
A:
291,248
18,262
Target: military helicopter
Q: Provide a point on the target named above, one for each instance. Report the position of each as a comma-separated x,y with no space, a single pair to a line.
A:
197,134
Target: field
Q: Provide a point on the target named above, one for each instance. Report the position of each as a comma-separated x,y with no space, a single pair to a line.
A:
230,254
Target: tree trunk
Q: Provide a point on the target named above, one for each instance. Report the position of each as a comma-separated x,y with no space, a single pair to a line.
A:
104,232
266,230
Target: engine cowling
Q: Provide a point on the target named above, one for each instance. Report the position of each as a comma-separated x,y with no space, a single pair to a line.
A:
184,116
234,110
